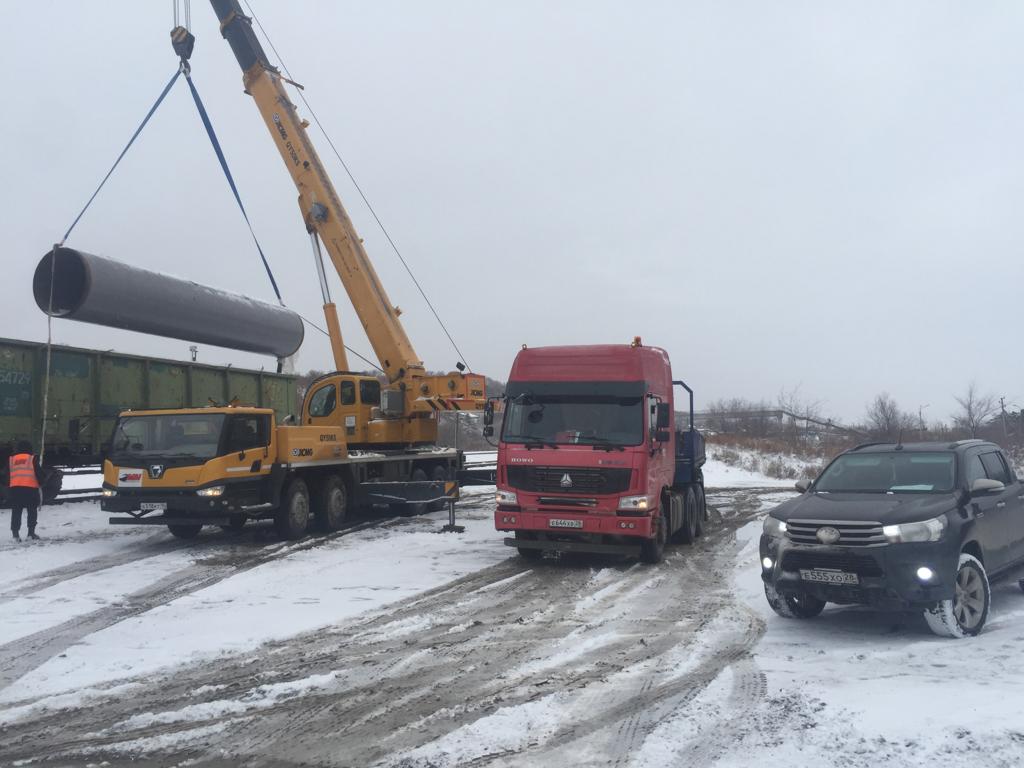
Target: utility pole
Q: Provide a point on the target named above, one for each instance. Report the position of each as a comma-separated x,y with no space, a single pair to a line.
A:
1002,413
920,417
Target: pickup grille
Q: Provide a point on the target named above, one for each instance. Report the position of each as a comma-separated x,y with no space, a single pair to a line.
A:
583,479
862,565
867,534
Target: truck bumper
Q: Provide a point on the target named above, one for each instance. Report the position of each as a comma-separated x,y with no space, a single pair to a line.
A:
629,550
886,575
514,519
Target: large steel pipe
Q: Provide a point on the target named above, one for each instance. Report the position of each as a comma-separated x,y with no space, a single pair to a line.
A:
93,289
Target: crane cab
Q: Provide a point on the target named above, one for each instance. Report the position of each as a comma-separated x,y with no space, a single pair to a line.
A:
343,400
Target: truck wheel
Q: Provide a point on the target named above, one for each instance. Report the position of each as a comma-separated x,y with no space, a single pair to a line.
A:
965,614
292,518
653,550
687,534
702,509
793,606
188,531
332,505
438,474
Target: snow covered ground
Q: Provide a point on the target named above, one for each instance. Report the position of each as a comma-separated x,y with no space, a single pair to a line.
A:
409,647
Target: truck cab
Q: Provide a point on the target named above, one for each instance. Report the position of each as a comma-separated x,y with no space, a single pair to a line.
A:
189,460
588,459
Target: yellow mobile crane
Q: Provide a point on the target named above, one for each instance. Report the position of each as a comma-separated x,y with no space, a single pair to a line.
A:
358,441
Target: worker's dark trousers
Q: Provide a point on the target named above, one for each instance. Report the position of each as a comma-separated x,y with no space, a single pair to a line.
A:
24,498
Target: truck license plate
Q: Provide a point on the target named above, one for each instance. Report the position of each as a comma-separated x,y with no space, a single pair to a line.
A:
152,506
829,577
565,523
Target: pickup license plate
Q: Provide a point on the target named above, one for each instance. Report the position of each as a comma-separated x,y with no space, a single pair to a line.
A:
152,506
829,577
565,523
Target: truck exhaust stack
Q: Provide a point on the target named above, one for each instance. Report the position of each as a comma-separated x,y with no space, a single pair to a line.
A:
94,289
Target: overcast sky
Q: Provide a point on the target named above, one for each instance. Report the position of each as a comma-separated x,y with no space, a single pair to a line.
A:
819,195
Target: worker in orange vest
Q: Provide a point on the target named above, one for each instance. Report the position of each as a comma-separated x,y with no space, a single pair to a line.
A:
26,478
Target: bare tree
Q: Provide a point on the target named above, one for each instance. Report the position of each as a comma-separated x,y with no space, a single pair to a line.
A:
885,419
975,410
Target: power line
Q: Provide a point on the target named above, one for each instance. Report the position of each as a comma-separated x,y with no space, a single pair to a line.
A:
359,189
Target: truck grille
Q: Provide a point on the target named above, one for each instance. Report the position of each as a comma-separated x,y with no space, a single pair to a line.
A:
862,565
582,479
866,534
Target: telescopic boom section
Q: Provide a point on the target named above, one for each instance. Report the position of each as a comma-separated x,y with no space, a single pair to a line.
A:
321,207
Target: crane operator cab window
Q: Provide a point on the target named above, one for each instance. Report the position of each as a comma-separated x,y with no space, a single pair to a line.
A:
348,392
323,402
369,392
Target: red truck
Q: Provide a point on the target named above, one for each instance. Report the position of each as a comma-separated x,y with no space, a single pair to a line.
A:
589,459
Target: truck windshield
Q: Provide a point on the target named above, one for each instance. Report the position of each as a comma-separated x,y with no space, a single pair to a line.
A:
574,418
890,472
167,436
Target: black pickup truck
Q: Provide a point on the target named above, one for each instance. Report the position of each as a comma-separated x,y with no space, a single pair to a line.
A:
916,525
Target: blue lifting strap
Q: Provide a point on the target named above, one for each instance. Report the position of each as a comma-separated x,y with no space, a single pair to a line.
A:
124,151
227,172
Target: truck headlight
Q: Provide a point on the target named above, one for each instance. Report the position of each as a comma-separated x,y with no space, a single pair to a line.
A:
774,527
108,492
634,504
507,497
213,490
927,530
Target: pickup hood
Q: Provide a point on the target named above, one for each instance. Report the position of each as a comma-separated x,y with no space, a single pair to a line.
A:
861,507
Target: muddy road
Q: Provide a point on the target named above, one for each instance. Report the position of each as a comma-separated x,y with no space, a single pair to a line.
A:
574,661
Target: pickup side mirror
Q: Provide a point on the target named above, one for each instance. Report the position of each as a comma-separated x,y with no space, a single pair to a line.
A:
489,414
803,485
663,418
984,485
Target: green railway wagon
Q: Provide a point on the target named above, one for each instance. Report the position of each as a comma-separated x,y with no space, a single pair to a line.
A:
89,388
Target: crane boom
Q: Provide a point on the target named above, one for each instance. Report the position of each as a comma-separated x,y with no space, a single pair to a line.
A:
321,206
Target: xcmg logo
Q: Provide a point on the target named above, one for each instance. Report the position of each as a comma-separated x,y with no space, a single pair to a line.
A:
302,451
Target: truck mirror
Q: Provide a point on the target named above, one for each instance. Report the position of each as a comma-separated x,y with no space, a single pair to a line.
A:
664,417
489,413
488,430
986,485
802,485
662,435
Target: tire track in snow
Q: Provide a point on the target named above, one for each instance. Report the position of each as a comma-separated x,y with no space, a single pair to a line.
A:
476,649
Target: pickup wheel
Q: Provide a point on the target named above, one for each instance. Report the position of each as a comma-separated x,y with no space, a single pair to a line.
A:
965,614
331,505
653,550
528,553
186,531
793,606
292,518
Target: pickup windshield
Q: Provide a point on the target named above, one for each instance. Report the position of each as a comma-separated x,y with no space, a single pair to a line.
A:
889,472
576,415
167,436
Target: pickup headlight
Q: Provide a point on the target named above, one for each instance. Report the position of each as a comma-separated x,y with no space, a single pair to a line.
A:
213,490
774,527
507,497
108,492
928,530
634,504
